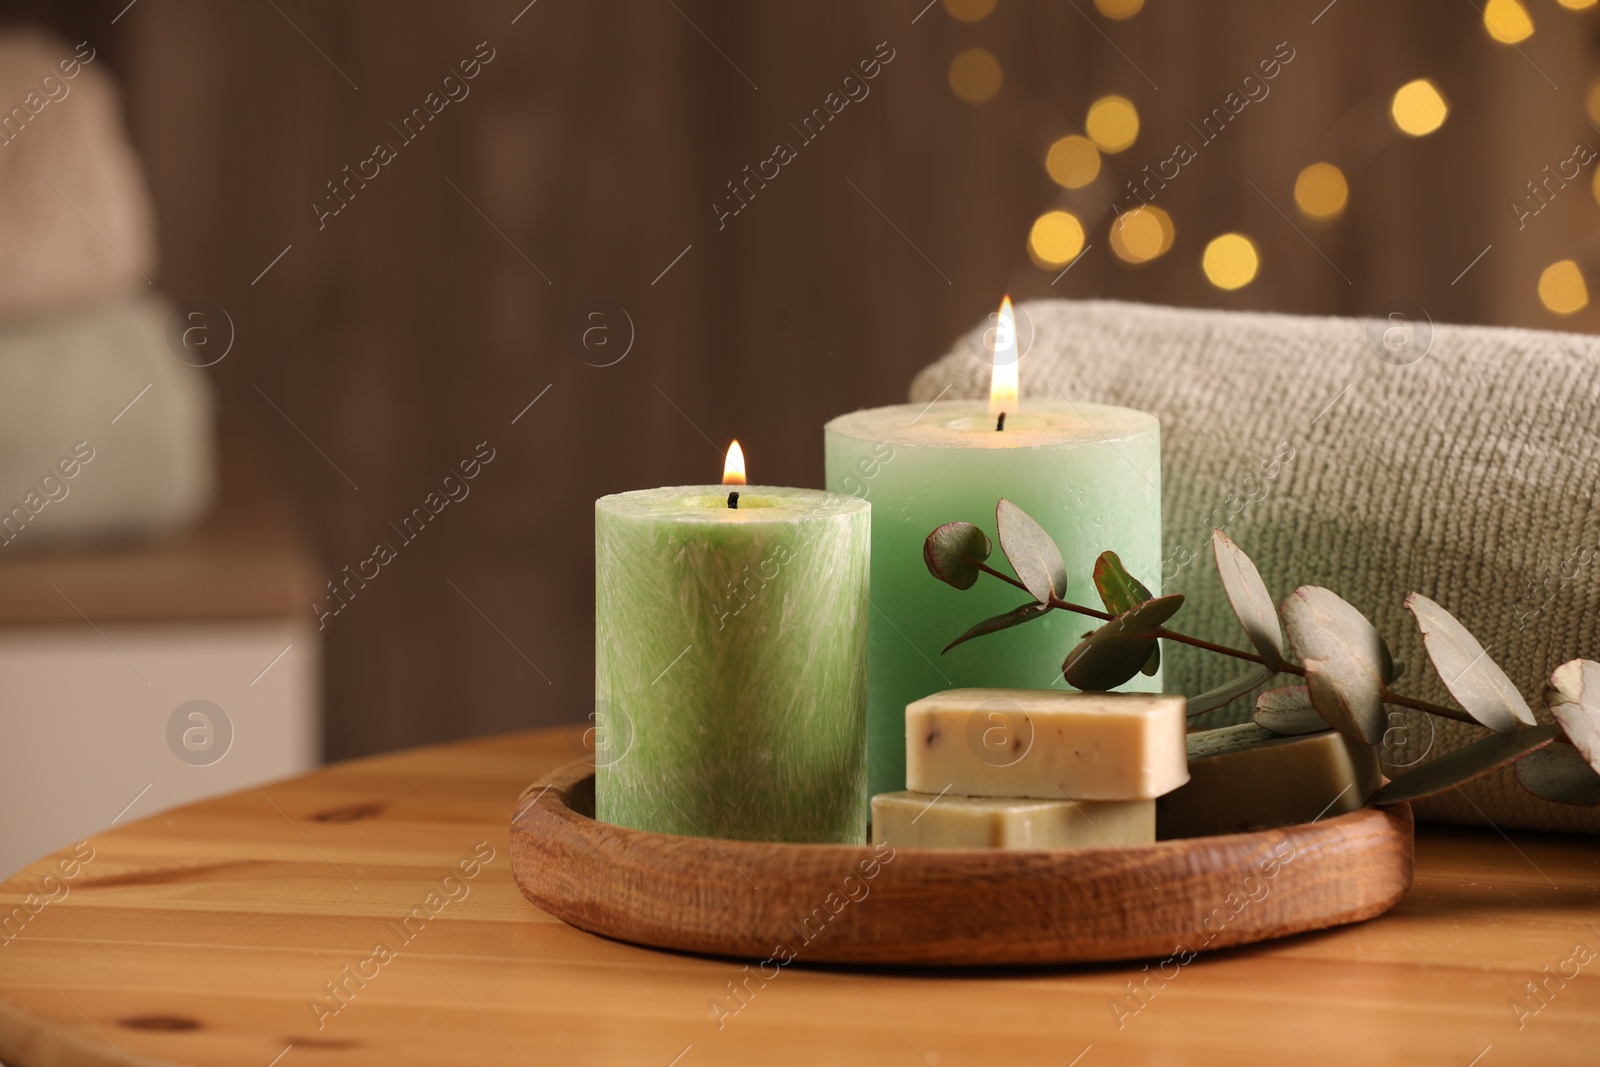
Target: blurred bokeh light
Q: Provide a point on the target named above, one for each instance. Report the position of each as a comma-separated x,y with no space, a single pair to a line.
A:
975,75
1056,238
1142,234
1230,261
1112,123
1320,192
1562,288
1073,161
1119,9
1418,108
969,10
1507,21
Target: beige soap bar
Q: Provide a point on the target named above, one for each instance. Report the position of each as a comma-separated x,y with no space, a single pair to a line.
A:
926,820
1046,744
1248,778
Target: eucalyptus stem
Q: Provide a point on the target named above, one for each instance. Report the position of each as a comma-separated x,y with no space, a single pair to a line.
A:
1385,693
1390,697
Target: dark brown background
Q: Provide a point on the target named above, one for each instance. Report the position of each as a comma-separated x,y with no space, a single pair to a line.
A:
410,329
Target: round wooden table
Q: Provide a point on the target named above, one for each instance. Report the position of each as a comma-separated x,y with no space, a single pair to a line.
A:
365,914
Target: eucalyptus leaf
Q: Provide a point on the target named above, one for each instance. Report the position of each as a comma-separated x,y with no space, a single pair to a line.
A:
1114,653
1475,680
1249,597
1288,711
1031,551
1153,663
1464,764
1573,696
953,552
1011,618
1392,668
1345,661
1231,690
1226,740
1560,773
1120,591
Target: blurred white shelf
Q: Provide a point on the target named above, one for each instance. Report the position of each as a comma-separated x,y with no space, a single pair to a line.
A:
85,720
101,644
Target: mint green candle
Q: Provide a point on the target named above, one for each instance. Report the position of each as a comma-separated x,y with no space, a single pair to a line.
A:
730,662
1089,473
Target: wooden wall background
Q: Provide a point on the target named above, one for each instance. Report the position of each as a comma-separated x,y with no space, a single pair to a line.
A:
417,324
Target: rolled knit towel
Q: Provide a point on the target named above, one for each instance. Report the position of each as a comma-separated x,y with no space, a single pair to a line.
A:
75,217
1469,475
103,431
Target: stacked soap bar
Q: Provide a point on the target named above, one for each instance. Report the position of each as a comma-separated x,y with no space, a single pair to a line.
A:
1009,768
1248,778
928,820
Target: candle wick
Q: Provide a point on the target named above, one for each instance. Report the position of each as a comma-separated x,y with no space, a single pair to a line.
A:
733,500
1000,423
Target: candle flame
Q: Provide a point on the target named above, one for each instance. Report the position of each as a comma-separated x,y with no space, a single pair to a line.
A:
1004,385
733,469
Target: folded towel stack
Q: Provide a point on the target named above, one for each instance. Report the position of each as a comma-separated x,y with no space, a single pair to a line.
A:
104,429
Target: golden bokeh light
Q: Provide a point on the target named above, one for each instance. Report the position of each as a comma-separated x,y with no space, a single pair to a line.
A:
1113,123
1320,192
1418,108
1576,5
1140,235
969,10
1230,261
1056,238
1073,162
1592,101
1120,9
1562,289
1507,21
975,75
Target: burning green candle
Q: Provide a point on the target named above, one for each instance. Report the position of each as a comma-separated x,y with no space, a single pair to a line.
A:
730,661
1089,473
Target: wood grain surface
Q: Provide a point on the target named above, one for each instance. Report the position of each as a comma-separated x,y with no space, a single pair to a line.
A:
204,935
949,907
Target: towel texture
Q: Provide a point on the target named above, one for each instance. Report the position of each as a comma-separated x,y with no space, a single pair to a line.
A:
1469,475
97,391
75,218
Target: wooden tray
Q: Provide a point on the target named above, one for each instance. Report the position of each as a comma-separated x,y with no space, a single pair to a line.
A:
956,907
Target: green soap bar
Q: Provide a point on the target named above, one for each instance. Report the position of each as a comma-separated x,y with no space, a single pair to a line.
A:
1248,778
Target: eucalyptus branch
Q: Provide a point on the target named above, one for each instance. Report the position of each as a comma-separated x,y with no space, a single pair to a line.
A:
1389,696
1313,634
